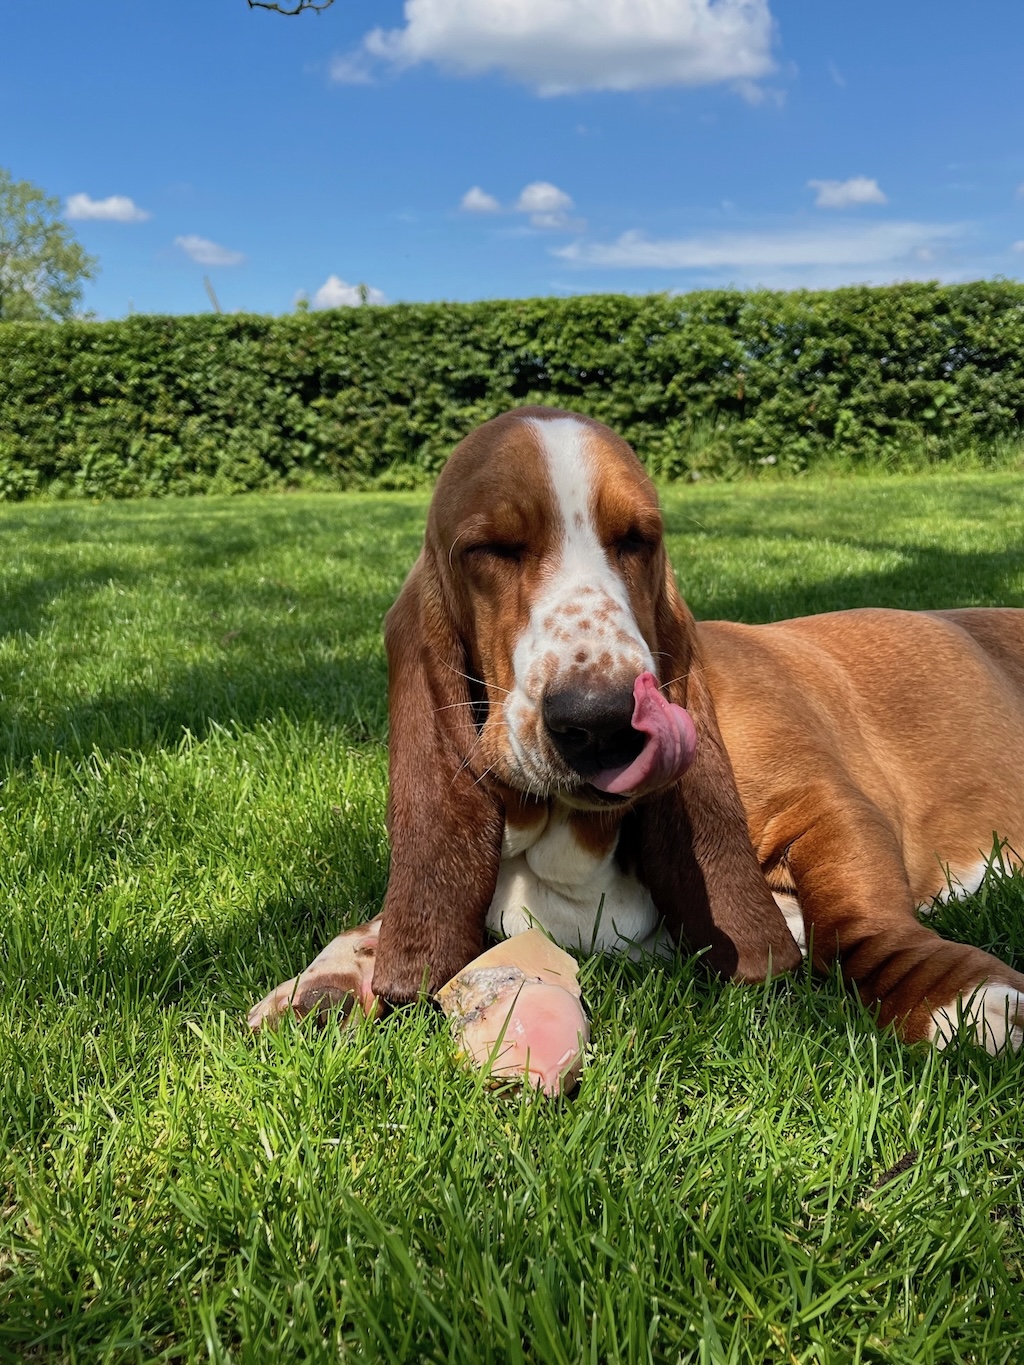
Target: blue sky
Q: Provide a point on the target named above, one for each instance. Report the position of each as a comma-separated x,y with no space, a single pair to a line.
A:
625,145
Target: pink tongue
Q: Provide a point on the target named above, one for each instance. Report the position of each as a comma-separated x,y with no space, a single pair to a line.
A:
668,750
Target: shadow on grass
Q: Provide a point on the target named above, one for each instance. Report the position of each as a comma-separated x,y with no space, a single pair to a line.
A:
27,602
348,695
309,648
191,535
927,578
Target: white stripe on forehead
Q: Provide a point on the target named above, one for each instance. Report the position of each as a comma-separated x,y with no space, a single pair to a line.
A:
563,442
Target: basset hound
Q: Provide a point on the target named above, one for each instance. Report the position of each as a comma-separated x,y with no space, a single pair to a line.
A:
570,749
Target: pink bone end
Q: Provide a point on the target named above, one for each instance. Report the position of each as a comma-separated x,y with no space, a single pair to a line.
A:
516,1012
668,750
521,1027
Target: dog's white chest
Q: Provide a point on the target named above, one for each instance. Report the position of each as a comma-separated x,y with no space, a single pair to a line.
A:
549,879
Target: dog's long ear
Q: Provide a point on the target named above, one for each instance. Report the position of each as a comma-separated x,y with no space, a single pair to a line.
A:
445,824
697,858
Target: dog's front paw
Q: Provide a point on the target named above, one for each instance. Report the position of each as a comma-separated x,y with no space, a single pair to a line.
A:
412,964
338,979
992,1014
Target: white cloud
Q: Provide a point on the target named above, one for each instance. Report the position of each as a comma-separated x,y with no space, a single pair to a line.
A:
835,254
205,252
350,70
759,94
118,208
842,194
546,204
543,197
1018,246
558,46
556,220
477,200
338,293
837,76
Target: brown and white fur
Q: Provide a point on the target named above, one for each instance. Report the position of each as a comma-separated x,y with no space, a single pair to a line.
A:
849,768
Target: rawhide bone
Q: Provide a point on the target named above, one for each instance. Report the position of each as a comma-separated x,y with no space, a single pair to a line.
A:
516,1010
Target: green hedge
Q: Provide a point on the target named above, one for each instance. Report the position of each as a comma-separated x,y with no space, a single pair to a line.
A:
715,381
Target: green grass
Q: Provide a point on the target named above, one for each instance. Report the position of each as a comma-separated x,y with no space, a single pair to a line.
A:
193,767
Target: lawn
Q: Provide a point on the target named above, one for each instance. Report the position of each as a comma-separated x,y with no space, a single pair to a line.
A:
192,755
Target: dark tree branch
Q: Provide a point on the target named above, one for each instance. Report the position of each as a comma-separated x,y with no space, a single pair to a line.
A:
296,7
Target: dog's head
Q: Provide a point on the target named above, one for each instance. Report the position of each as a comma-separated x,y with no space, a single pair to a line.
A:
540,650
544,545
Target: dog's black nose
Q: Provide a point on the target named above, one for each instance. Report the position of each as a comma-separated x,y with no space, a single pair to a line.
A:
591,728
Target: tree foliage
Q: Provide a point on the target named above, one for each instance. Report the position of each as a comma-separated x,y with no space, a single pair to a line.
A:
292,6
42,266
713,382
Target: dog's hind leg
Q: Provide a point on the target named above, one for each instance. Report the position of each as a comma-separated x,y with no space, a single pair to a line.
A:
852,884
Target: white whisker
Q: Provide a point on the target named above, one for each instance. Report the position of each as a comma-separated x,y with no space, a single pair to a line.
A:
464,765
487,770
453,545
678,678
479,681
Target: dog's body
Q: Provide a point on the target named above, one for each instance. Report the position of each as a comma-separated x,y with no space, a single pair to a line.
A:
569,748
